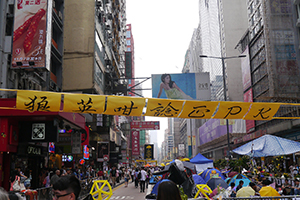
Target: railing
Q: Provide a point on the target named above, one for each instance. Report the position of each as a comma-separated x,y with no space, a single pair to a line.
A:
288,197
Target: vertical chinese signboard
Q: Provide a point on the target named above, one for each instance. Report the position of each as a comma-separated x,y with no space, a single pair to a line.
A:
29,37
148,149
135,139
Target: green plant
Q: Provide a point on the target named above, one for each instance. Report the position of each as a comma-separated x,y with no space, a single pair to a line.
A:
182,194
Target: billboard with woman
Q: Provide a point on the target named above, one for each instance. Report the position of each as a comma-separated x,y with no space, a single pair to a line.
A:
188,86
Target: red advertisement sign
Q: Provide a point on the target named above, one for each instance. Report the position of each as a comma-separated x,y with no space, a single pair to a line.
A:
135,141
150,125
250,124
29,37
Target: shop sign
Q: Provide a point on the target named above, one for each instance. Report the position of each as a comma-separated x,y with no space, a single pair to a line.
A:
106,157
38,131
145,125
76,142
34,150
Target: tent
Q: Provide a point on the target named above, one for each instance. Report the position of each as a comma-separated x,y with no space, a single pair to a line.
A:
268,145
198,179
239,177
211,173
201,162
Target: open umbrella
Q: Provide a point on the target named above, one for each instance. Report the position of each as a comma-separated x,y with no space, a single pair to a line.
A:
268,191
268,145
215,182
239,177
147,165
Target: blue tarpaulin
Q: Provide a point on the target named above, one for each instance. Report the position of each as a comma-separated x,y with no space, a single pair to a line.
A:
268,145
200,159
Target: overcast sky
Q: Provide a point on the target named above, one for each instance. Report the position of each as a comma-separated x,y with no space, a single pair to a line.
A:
162,31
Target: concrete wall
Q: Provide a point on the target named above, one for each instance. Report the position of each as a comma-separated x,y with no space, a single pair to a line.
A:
235,25
79,41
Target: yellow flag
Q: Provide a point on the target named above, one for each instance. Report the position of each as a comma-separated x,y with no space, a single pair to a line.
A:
199,109
232,110
38,101
164,107
84,103
262,111
128,106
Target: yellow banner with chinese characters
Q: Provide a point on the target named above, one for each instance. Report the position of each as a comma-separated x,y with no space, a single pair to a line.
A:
262,111
32,100
128,106
232,110
38,101
164,107
84,103
199,109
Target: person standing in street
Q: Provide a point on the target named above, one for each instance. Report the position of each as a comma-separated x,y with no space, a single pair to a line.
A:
132,174
127,177
136,179
113,176
55,177
143,179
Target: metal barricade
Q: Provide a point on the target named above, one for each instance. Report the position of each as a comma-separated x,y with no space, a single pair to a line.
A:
288,197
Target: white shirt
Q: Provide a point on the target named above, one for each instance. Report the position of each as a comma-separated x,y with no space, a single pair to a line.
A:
143,175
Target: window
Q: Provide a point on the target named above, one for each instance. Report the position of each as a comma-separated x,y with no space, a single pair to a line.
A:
128,49
98,41
128,42
128,34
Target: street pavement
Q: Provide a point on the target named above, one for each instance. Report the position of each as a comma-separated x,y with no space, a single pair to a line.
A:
130,192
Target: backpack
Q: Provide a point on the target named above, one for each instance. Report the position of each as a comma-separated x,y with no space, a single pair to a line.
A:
139,176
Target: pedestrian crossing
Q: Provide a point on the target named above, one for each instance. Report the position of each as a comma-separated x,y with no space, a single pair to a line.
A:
121,197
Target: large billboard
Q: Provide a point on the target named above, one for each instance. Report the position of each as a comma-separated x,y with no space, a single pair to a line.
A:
30,32
211,130
189,86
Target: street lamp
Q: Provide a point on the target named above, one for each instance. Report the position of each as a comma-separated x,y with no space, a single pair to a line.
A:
224,89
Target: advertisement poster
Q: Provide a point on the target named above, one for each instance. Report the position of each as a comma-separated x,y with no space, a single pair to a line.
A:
135,139
211,130
250,124
148,149
29,37
188,86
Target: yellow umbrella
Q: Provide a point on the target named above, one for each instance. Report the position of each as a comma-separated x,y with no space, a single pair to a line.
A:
162,164
245,192
268,191
185,159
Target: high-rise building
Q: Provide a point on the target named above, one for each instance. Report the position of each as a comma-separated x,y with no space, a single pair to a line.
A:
220,27
271,71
